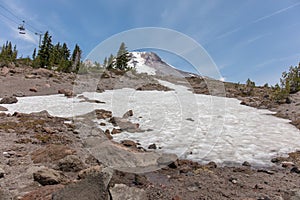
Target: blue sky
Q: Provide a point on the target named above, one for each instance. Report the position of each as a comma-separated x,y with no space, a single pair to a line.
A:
245,38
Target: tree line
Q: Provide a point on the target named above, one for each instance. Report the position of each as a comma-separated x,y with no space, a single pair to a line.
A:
54,57
8,52
57,57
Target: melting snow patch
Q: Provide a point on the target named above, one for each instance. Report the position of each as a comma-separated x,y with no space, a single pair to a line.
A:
221,129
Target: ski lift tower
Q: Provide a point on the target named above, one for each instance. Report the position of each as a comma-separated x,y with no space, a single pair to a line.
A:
40,37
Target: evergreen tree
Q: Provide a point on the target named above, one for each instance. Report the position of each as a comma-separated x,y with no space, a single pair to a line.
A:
110,62
123,57
45,51
8,53
65,52
65,64
76,58
56,55
105,62
14,53
34,54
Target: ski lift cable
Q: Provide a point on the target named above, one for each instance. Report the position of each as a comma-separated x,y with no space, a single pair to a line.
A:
10,12
17,23
12,20
33,31
9,19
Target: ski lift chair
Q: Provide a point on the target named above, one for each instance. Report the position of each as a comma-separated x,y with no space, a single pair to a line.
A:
22,28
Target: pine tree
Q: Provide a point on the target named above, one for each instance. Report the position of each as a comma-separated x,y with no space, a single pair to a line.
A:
123,57
110,62
65,64
14,53
105,62
56,55
34,54
45,51
76,58
8,53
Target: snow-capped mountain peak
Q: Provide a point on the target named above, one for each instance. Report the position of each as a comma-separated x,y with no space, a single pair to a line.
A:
139,63
151,64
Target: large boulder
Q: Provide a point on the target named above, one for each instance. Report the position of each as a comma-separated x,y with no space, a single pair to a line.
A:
9,100
48,176
94,170
125,125
66,92
70,163
92,187
4,71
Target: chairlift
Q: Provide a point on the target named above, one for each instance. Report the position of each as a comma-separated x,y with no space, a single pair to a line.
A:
22,28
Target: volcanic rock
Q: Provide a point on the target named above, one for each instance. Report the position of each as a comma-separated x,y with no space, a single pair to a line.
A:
3,108
152,146
129,113
66,92
128,143
70,163
9,100
48,176
94,170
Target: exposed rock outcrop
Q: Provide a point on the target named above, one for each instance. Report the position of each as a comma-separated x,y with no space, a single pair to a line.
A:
48,176
9,100
92,187
66,92
70,163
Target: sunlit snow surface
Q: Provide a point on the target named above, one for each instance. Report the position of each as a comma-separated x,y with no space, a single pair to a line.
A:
139,64
198,127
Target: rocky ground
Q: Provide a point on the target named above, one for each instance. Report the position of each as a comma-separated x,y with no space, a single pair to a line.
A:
46,157
257,97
